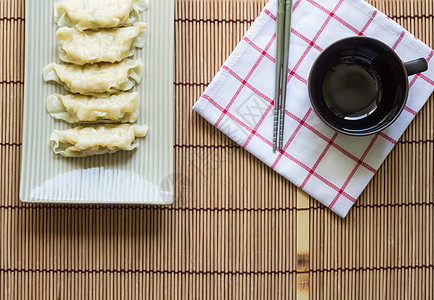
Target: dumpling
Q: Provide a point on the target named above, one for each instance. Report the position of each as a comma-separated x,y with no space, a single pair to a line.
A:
119,108
95,140
96,79
94,14
109,45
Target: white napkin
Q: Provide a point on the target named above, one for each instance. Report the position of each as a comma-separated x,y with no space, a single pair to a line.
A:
331,167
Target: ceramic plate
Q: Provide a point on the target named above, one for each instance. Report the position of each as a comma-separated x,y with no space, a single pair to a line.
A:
143,176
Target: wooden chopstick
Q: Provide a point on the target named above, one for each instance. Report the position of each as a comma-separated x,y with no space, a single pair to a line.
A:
283,37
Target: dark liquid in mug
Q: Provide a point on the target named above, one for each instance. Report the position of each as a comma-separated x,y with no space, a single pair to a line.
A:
352,89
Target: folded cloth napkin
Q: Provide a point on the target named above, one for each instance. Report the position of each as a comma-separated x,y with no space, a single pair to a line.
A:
331,167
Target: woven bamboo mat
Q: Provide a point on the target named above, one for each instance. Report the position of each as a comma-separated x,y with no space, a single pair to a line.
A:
236,229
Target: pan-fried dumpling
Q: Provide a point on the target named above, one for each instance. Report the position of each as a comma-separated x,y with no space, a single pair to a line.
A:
95,140
94,14
96,79
119,108
108,45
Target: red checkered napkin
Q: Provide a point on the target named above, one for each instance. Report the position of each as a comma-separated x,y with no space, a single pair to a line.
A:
331,167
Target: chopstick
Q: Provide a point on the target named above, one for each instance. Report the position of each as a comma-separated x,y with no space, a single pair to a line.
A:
283,38
280,30
287,34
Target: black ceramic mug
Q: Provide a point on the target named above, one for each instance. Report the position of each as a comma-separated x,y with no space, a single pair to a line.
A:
359,86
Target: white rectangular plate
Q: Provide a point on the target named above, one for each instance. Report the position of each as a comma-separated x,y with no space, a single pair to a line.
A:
143,176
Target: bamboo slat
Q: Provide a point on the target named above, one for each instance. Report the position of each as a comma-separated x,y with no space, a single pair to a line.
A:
236,229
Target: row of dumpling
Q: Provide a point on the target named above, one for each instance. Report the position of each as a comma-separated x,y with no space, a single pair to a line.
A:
97,40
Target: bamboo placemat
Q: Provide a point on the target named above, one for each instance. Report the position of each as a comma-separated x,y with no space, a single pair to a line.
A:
236,229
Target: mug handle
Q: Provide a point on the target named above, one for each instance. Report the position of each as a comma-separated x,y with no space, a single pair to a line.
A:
416,66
